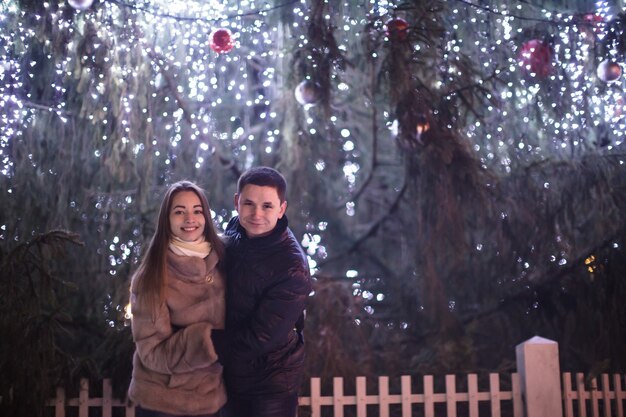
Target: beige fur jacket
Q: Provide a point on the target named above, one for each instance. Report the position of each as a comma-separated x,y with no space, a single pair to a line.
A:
175,368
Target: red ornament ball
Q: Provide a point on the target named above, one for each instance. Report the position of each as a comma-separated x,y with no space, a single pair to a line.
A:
308,92
221,40
609,71
397,29
535,57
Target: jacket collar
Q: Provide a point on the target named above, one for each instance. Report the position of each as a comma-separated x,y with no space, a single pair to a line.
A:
236,231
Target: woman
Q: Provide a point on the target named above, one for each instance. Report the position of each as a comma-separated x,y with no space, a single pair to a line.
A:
177,299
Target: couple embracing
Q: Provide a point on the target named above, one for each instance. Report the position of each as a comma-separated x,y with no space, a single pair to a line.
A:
217,320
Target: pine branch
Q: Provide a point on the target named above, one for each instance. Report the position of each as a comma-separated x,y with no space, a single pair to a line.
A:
49,108
551,280
371,230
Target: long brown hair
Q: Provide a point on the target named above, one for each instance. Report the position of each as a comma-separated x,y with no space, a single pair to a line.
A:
149,280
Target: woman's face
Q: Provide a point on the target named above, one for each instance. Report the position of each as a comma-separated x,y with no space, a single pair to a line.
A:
186,216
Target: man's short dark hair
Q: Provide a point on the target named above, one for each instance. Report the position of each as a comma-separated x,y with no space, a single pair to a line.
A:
264,176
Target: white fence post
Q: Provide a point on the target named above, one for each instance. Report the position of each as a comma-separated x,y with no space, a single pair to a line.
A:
538,366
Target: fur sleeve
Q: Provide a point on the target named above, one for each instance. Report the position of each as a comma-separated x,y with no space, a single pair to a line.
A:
164,349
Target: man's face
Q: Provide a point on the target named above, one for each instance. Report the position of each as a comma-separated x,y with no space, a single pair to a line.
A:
259,209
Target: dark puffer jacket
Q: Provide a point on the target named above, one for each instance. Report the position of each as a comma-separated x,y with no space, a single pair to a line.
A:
268,284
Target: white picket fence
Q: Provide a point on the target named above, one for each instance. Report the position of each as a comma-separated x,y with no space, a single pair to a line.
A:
534,393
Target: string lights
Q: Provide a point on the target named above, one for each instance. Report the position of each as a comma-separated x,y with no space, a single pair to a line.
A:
211,90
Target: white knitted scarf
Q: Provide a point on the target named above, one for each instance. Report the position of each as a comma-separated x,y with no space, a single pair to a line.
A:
200,248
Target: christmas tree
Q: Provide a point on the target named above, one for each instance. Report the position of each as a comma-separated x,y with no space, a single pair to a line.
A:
456,169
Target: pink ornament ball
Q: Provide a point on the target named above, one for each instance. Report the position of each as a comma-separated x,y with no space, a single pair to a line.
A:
80,4
221,40
535,57
609,71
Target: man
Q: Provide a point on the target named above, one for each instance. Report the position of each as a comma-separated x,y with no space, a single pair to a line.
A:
268,283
